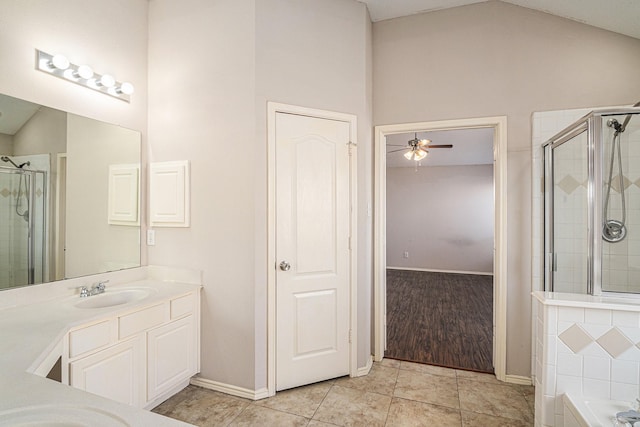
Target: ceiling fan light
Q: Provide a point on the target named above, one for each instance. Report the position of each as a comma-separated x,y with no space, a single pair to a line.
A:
423,142
408,155
420,154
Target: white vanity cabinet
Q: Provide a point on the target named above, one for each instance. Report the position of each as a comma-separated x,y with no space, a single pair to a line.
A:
112,372
139,357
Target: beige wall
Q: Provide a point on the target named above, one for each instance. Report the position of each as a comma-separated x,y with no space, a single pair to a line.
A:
213,66
44,133
442,216
6,144
202,109
318,54
498,59
108,35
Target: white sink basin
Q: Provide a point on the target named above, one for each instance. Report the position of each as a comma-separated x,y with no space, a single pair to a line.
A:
59,416
112,298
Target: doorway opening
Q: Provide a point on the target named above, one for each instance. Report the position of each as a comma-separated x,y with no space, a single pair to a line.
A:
440,222
382,247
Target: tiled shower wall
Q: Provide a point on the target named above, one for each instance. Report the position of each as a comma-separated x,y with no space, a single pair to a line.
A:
621,260
589,352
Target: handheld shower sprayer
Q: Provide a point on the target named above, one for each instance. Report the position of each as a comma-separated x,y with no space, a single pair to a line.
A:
614,230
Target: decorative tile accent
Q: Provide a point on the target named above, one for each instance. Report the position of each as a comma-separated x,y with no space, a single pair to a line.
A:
615,184
576,338
4,192
615,342
568,184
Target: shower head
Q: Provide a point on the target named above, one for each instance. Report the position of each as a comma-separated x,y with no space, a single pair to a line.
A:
6,159
613,123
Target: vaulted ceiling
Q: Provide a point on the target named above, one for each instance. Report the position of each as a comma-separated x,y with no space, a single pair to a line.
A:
620,16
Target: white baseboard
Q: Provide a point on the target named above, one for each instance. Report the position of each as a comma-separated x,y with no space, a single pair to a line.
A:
365,369
230,389
167,394
431,270
517,379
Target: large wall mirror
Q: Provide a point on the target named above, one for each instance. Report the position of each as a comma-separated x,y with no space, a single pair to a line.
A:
69,195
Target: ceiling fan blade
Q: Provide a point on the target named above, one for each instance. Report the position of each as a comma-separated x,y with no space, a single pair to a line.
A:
396,145
395,151
440,146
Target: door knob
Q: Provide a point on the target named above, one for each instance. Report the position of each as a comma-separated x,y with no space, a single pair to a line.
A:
285,266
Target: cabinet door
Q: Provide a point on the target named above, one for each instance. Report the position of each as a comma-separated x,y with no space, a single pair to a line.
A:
116,373
171,355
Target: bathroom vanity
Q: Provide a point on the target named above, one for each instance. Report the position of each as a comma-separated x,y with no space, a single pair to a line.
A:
121,351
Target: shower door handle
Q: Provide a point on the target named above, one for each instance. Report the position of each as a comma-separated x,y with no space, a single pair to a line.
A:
553,260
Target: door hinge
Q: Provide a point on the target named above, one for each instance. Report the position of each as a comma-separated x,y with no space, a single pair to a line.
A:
350,330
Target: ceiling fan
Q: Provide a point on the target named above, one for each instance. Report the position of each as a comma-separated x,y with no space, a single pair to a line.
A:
417,148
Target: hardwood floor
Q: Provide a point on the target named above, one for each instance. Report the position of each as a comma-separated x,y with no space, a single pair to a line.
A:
440,319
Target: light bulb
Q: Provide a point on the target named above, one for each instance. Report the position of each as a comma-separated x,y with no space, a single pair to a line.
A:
420,154
60,62
126,88
107,81
424,142
408,155
84,72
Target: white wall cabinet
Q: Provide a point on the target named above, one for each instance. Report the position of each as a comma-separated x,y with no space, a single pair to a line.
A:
140,357
169,194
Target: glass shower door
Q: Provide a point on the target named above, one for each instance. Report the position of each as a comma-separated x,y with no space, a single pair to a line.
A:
569,214
22,227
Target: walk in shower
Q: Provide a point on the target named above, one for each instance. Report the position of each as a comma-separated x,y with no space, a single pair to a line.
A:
592,205
22,224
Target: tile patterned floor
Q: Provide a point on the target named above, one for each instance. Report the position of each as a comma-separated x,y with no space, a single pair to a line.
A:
393,394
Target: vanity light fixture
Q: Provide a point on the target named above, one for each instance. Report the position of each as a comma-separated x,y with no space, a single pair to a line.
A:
83,75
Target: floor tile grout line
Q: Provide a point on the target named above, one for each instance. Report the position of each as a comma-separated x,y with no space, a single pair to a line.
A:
393,395
322,401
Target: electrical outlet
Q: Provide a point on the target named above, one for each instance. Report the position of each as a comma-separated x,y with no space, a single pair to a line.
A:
405,254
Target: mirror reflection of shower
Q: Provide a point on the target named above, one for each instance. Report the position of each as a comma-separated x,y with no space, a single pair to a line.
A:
22,196
23,216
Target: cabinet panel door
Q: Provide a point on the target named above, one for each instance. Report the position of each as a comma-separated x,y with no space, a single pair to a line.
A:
114,373
171,355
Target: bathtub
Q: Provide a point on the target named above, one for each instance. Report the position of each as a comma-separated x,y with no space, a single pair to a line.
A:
585,412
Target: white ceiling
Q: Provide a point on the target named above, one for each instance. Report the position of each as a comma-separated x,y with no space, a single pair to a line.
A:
620,16
470,147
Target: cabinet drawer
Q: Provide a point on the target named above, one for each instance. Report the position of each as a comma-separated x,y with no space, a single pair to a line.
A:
133,323
90,338
182,306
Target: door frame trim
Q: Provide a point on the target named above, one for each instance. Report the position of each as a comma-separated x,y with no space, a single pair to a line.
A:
499,124
272,109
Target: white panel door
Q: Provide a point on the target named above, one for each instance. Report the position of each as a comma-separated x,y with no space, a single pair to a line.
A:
312,250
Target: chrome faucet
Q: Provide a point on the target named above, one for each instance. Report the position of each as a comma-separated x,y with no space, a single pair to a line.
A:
99,287
96,288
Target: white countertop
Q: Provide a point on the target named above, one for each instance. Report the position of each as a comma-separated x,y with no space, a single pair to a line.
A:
31,336
609,301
